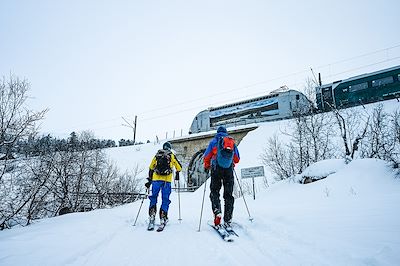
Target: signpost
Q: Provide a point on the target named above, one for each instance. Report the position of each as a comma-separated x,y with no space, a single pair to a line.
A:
252,172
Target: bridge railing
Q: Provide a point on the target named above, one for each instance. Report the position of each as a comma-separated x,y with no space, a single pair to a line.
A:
185,189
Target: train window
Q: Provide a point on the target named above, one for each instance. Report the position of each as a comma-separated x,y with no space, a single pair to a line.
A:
357,87
297,97
382,81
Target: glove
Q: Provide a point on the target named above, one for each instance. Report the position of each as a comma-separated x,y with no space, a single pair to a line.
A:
177,176
148,183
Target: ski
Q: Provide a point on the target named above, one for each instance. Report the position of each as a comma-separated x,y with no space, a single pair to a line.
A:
220,229
161,228
230,230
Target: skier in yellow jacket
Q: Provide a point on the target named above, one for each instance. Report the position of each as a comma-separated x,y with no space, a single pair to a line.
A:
160,178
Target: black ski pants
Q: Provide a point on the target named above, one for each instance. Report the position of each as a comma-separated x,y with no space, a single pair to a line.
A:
222,176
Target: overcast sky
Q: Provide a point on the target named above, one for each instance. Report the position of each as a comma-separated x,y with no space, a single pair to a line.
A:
93,62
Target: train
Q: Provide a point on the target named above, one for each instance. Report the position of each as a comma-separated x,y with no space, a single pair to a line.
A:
279,104
359,90
284,102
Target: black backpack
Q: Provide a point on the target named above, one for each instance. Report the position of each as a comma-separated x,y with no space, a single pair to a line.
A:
163,166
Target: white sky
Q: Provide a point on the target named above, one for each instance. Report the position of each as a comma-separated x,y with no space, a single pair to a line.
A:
90,61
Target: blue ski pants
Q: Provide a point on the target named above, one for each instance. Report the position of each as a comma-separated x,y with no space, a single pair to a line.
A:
165,188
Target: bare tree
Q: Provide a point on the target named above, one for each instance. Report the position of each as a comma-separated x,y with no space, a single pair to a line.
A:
309,90
353,128
316,129
382,140
38,187
41,185
26,190
378,140
395,129
17,121
396,125
278,158
311,137
311,140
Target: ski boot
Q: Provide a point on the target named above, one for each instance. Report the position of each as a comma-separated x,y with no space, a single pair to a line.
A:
152,218
217,219
163,220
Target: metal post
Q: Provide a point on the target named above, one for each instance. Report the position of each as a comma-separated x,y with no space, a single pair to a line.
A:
241,191
319,79
134,132
254,191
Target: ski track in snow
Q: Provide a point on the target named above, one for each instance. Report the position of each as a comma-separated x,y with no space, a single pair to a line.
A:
282,235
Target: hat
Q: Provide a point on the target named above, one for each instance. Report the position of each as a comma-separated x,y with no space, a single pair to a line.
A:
167,146
222,129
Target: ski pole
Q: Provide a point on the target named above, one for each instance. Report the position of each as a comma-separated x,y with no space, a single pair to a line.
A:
147,194
241,191
179,201
202,204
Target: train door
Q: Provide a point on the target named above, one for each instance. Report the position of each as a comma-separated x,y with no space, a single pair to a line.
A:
327,98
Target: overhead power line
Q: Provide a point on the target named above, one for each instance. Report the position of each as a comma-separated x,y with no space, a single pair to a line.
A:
244,87
281,77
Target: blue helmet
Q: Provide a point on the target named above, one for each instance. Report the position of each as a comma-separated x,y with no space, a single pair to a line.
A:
167,146
222,129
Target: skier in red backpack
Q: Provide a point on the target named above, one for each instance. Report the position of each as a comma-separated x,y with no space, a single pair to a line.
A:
220,157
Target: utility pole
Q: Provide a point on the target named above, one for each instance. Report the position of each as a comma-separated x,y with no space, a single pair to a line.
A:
134,131
319,79
133,127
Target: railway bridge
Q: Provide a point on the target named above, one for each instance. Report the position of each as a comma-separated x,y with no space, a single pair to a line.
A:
190,150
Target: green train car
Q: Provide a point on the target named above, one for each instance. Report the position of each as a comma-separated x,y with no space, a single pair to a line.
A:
367,88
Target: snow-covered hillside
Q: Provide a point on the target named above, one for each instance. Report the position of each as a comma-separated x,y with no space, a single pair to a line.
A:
349,218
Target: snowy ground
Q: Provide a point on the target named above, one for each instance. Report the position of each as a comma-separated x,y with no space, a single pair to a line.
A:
349,218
